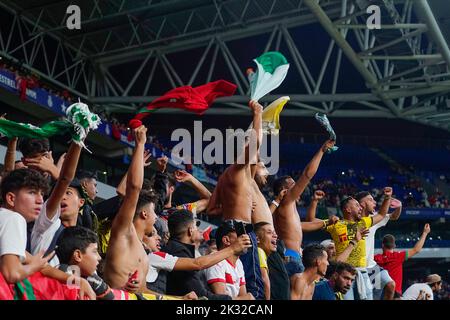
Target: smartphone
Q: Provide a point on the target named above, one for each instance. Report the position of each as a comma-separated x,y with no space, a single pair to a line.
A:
240,228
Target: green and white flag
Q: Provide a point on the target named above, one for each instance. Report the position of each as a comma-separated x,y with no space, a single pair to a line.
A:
78,124
272,69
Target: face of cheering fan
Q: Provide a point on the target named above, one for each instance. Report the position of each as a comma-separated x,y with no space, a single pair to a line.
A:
261,174
267,239
71,204
368,203
343,281
354,209
153,241
26,201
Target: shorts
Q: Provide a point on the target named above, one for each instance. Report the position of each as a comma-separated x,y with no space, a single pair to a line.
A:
380,278
293,262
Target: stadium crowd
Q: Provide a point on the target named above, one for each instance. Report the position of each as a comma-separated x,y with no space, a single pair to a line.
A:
142,245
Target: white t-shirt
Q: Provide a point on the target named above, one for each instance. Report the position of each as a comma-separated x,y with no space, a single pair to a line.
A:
44,231
159,261
232,275
370,240
13,233
412,293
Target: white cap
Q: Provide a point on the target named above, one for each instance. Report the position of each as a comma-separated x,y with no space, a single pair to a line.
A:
326,243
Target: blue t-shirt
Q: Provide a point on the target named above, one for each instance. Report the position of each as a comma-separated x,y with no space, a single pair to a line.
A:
323,291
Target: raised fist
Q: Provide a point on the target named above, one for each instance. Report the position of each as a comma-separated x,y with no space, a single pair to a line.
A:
318,195
387,191
328,145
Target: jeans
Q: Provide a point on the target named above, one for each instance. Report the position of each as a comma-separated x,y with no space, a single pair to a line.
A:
294,262
252,269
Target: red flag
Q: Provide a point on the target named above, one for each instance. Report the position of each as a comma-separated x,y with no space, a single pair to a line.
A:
196,100
206,233
39,287
50,289
5,290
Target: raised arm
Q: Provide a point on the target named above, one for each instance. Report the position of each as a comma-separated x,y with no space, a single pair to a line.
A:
311,211
419,245
250,153
398,209
44,163
276,203
202,191
121,189
387,191
124,218
160,183
318,224
10,156
66,176
308,173
214,205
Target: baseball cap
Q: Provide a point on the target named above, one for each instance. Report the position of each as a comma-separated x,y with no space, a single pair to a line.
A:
326,243
433,278
76,184
83,174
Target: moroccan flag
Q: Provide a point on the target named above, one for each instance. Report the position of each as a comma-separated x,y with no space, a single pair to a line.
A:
272,69
39,287
5,290
196,100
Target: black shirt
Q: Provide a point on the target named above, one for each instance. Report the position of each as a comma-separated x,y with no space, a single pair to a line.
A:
182,282
279,278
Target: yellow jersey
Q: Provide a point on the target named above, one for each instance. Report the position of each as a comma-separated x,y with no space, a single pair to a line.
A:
343,231
262,259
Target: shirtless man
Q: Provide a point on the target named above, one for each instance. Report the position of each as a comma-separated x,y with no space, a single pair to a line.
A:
316,263
286,217
262,211
126,259
233,197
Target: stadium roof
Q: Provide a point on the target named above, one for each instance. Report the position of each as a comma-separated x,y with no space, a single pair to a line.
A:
129,52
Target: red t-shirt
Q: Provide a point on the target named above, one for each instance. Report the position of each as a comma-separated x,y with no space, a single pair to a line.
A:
393,263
